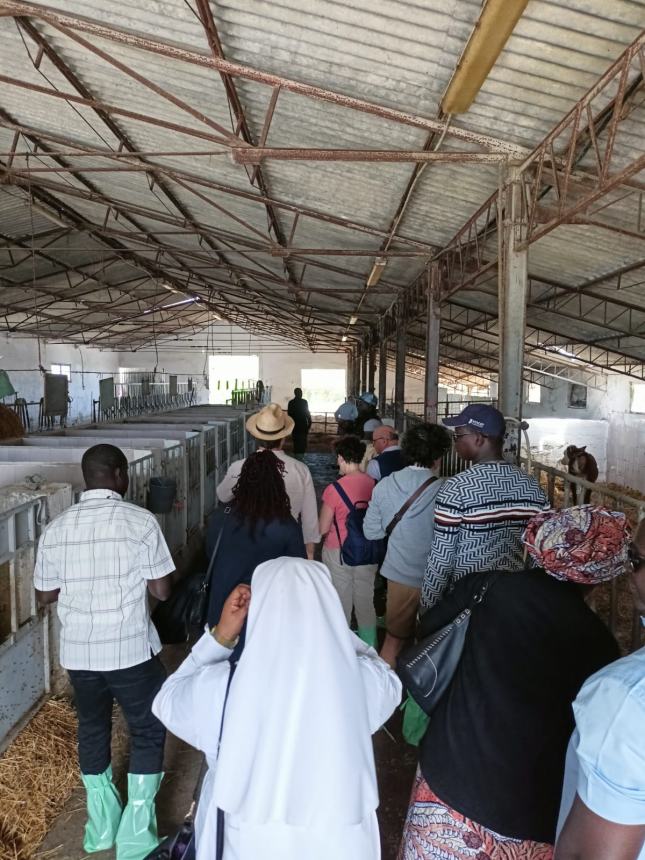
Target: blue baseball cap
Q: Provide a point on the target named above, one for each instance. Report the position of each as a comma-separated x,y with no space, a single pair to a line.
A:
369,398
346,412
481,417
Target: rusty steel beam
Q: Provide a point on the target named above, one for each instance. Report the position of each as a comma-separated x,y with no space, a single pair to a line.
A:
114,128
110,109
132,40
141,79
257,155
212,35
190,178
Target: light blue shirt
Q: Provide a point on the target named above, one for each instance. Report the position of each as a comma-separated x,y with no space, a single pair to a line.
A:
606,755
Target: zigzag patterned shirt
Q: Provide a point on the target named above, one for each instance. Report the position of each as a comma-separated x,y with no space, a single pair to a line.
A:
479,518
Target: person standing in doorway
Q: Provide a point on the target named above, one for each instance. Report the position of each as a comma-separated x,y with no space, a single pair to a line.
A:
298,409
271,426
389,457
99,560
480,513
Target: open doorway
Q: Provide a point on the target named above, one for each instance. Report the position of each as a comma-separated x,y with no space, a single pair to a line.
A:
323,388
228,372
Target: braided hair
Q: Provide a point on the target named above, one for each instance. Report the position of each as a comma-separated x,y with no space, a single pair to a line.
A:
260,493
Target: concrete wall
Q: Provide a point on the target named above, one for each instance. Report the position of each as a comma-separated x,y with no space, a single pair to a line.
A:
555,402
19,357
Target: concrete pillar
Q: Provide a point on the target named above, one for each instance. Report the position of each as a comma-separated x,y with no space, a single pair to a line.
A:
433,326
356,377
371,368
512,297
399,373
363,383
382,367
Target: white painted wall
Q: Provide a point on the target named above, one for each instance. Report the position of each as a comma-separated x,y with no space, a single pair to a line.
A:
20,360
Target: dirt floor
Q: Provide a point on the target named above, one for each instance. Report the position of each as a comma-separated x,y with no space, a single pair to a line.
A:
396,760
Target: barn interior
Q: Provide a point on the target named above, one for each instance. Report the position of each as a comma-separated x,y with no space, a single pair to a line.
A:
204,205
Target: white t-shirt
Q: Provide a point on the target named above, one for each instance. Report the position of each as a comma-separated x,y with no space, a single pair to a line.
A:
606,756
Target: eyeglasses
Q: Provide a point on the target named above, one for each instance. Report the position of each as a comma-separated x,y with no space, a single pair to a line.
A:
635,558
457,436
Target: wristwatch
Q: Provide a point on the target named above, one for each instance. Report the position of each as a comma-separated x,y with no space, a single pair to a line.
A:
225,643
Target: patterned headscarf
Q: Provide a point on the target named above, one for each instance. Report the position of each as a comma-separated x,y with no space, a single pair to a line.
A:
586,544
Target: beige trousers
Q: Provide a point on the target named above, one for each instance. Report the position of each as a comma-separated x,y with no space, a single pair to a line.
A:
355,587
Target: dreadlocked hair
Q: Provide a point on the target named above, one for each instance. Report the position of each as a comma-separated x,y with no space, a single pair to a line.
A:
260,493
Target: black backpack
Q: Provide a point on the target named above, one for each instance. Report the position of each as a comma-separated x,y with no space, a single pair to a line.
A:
356,549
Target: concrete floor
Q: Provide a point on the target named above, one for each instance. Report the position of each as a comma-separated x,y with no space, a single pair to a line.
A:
395,760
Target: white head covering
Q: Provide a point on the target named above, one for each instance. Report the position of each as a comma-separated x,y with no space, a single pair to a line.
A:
296,746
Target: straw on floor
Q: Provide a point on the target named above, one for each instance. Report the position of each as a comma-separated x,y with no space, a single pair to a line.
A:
38,773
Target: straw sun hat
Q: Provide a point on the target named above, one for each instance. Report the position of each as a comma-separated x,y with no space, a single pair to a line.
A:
271,422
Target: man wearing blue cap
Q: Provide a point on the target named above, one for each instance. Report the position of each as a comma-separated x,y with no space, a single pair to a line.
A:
480,513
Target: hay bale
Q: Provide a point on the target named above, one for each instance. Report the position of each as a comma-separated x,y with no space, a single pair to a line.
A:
10,425
38,773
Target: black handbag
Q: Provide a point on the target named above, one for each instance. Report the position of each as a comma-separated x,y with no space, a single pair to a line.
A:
181,845
427,668
185,611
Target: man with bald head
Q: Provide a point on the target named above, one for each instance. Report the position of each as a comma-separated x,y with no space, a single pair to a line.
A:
99,560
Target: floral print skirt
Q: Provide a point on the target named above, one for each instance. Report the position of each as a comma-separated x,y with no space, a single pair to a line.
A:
434,831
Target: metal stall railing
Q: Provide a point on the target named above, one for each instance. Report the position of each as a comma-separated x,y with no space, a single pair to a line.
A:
612,600
169,460
24,630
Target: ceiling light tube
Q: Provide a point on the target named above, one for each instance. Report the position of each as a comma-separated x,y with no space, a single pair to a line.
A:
377,270
353,320
491,32
344,338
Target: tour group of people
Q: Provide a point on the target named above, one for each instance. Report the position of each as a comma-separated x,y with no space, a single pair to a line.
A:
534,752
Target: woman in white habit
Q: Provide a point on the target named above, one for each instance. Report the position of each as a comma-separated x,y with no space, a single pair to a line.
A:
295,775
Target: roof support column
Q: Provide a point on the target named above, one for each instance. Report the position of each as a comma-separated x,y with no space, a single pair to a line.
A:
371,367
399,373
433,326
363,382
356,375
349,374
512,295
382,366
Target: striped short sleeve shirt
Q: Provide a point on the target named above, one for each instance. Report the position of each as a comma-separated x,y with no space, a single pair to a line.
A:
100,553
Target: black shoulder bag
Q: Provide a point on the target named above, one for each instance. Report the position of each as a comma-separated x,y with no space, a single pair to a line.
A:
181,845
427,668
186,609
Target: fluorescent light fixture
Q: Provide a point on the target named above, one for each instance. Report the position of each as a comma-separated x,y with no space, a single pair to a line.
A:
182,302
344,338
377,270
495,24
353,320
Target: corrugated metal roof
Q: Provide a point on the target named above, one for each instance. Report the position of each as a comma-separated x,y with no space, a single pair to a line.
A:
194,222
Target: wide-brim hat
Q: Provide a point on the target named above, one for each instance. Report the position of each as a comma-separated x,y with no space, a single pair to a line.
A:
271,422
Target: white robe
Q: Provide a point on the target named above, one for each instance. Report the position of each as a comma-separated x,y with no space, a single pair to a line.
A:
190,705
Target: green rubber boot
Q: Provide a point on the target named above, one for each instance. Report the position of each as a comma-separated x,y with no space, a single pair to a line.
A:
103,811
368,635
137,835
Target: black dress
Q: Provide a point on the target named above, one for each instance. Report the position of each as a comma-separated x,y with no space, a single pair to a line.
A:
241,551
496,744
298,409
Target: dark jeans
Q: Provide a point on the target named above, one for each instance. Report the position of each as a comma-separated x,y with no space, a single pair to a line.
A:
299,440
134,689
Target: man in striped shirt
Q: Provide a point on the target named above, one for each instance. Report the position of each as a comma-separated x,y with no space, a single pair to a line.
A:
99,560
479,514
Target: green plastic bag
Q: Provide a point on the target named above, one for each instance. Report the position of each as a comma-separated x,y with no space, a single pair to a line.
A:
415,722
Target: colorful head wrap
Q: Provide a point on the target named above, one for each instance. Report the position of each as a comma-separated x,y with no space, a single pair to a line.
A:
586,544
